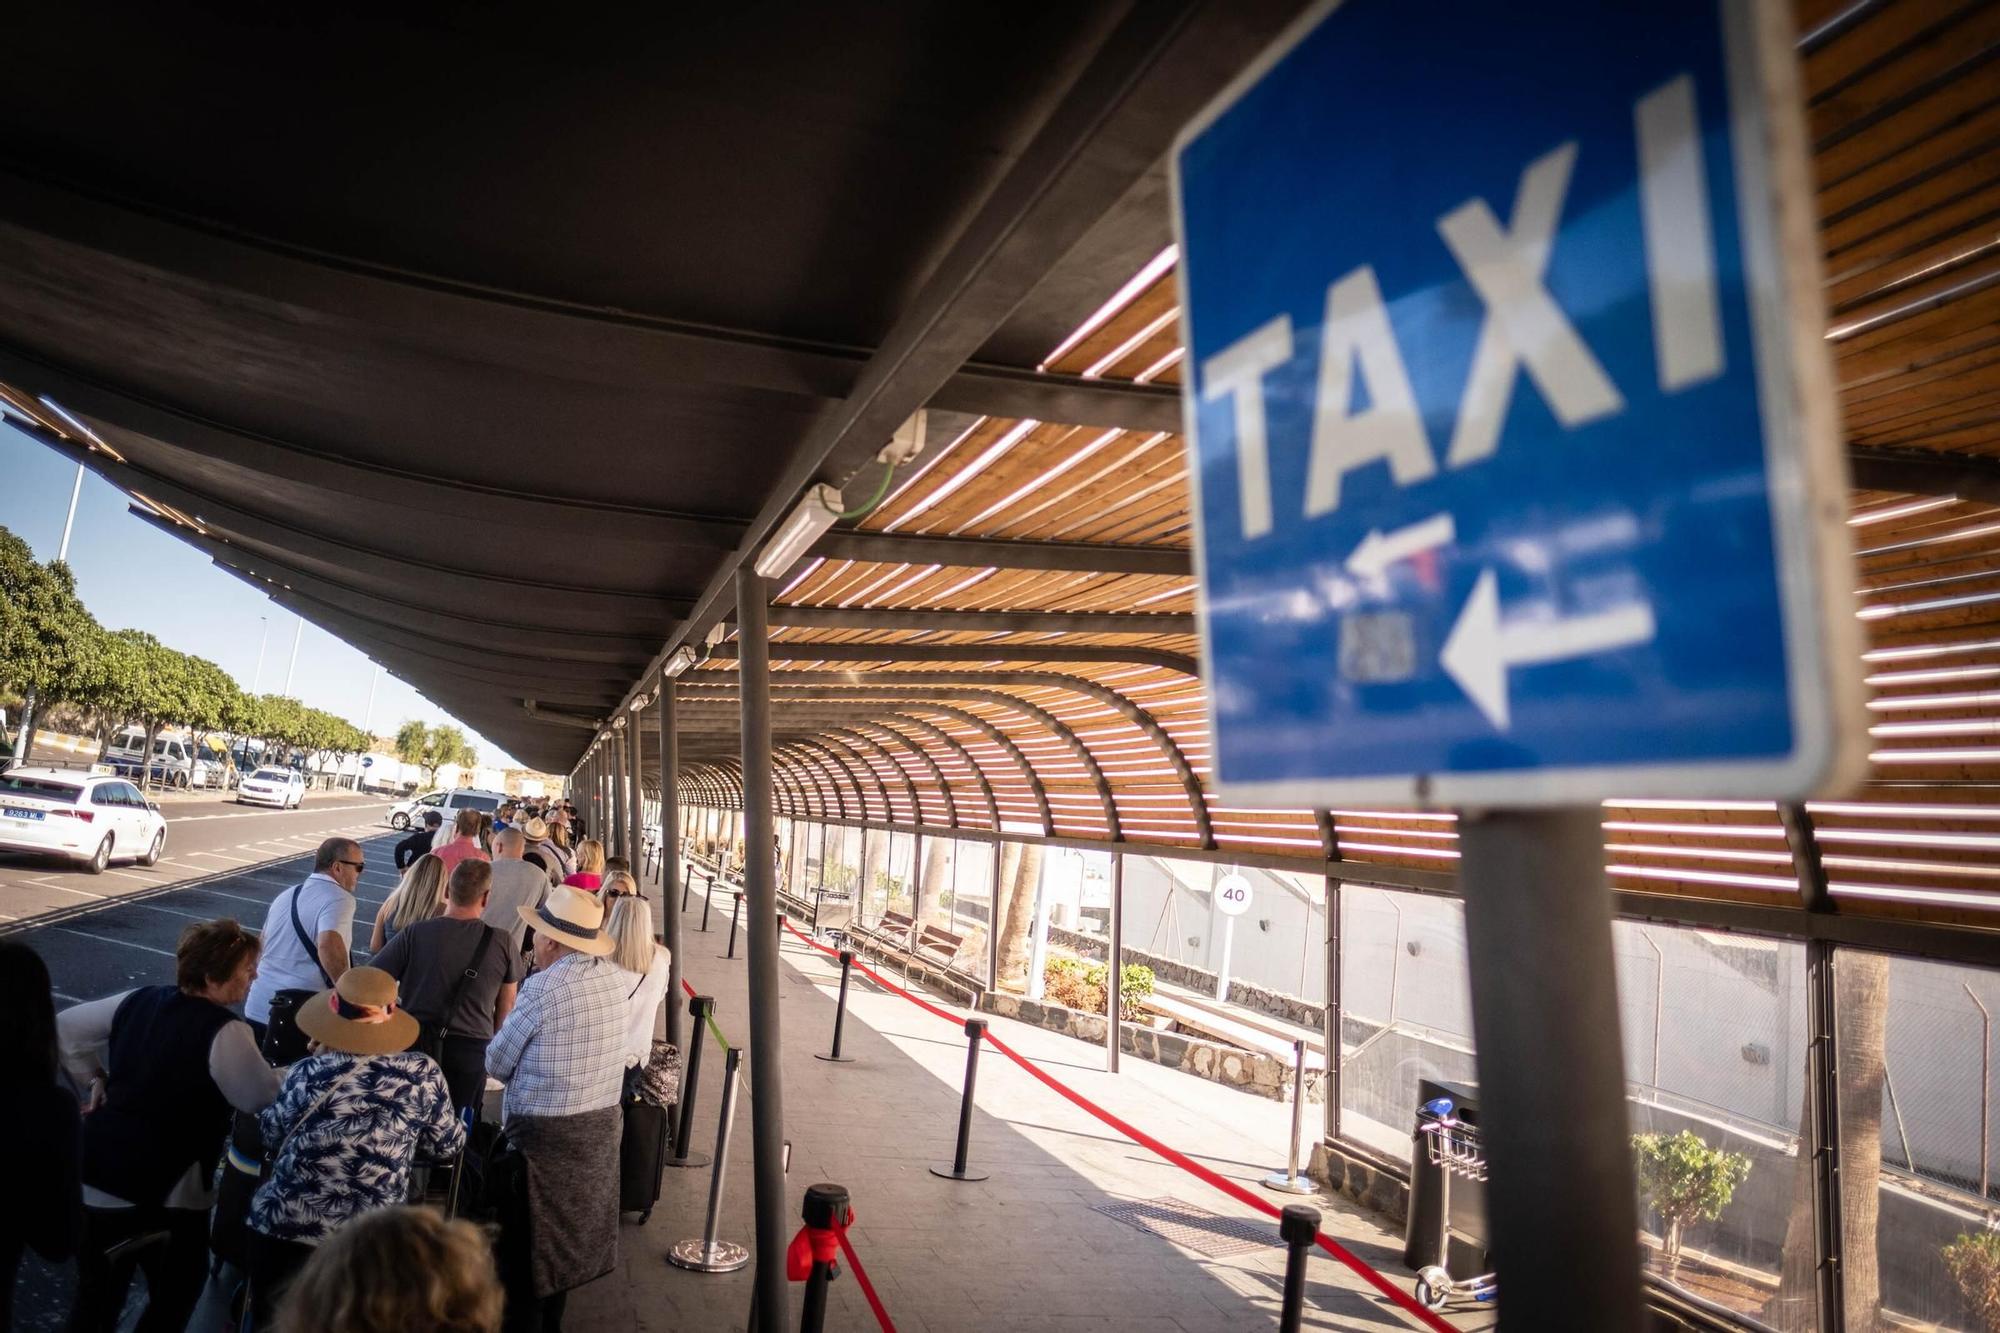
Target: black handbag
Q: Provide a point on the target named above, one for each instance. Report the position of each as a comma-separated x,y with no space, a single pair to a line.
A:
494,1174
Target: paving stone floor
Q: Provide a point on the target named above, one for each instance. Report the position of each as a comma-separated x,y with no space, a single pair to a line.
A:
1023,1250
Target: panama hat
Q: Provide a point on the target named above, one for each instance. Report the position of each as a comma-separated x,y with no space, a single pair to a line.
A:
359,1015
573,917
536,829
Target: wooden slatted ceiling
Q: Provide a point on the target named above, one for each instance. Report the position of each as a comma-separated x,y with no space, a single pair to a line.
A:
1904,114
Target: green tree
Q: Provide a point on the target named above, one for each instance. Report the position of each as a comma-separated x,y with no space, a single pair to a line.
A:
1685,1181
431,748
46,635
154,686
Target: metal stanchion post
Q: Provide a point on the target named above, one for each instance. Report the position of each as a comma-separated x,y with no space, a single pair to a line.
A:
687,887
706,1254
707,897
818,896
1297,1226
735,911
825,1210
1290,1181
840,1011
699,1008
975,1031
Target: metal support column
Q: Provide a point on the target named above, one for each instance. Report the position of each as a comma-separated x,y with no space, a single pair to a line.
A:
1551,1087
1332,1012
1114,973
670,854
635,838
767,1111
993,914
1821,1132
621,787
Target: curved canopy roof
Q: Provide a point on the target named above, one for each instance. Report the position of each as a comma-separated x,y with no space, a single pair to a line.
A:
495,349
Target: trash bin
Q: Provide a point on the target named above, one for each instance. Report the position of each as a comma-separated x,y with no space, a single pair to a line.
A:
1468,1198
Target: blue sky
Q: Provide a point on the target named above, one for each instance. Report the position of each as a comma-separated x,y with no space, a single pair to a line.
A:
133,576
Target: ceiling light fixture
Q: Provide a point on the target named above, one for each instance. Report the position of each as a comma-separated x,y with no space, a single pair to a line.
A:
807,522
681,659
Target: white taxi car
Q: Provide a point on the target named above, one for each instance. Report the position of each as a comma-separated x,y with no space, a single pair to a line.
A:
282,787
90,817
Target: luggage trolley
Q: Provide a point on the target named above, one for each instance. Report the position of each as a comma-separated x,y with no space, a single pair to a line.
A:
1456,1149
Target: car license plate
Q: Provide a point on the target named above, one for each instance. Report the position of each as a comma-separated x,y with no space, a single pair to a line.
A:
13,812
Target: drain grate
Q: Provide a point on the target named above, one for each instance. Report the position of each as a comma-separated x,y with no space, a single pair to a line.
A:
1195,1228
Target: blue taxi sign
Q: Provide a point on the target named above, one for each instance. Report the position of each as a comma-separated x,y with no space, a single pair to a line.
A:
1510,419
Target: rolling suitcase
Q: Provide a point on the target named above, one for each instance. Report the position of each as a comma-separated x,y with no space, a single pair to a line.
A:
642,1157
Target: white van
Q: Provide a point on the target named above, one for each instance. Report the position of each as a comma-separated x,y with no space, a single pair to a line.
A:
175,761
447,803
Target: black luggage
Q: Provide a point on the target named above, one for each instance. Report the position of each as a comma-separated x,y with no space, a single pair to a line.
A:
284,1042
241,1173
642,1157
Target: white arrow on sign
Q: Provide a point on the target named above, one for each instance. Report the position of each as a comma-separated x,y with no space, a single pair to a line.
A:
1480,649
1378,551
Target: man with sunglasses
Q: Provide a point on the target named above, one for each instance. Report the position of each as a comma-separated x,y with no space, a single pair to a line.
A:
307,931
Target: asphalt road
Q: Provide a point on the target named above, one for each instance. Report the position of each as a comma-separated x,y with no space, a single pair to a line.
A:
101,934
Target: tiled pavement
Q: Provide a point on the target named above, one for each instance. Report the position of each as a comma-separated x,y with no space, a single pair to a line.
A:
1022,1250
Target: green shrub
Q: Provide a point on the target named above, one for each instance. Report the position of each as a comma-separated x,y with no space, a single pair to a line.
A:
1973,1260
1077,984
1685,1180
1135,986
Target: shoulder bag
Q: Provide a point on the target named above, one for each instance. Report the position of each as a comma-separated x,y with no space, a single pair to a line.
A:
431,1039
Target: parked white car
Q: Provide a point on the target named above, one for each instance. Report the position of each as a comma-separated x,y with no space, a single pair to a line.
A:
447,803
91,818
282,787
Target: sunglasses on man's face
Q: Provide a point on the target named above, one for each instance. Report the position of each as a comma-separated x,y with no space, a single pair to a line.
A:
358,865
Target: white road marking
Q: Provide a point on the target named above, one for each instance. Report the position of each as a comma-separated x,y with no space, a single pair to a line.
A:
106,939
257,814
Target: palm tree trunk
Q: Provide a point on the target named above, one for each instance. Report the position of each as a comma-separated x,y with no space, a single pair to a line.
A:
1020,913
1861,1001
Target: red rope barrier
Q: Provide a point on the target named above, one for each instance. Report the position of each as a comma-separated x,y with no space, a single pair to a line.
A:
861,1278
1400,1298
819,1245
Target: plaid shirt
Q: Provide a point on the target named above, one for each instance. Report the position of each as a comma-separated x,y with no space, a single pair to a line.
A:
562,1049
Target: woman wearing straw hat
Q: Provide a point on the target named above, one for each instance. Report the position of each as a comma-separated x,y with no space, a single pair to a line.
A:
561,1053
542,841
347,1126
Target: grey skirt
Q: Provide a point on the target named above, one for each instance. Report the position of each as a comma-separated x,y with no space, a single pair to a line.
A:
572,1195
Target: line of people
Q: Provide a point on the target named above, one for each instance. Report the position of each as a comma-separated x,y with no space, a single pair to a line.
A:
552,832
348,1079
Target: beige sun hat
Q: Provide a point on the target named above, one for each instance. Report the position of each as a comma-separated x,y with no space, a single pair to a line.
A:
536,829
359,1015
572,916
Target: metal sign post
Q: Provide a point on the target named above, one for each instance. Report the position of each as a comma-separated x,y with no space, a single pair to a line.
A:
1519,486
1231,898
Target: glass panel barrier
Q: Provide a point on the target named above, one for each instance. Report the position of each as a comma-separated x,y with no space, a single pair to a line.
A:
893,876
1916,1128
1714,1027
1406,1010
958,896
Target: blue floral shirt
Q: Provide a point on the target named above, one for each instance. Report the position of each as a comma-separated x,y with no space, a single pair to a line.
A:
354,1151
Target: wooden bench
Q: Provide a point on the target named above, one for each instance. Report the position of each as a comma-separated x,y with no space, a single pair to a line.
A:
939,943
917,942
